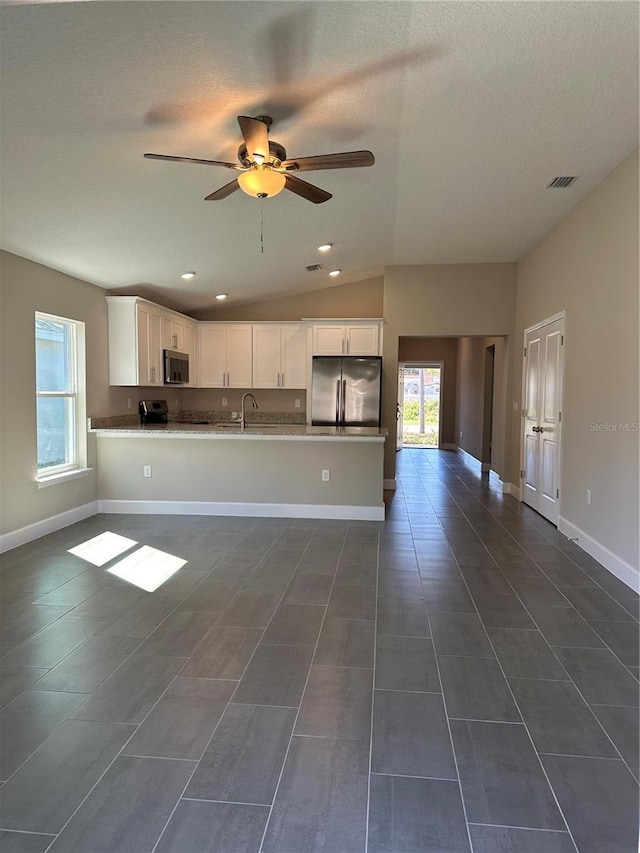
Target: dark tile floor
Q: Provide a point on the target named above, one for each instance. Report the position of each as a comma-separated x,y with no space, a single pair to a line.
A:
459,677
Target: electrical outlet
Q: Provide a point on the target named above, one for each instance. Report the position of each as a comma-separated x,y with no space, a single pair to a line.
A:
225,402
146,470
460,433
297,403
234,416
326,475
515,406
129,403
588,497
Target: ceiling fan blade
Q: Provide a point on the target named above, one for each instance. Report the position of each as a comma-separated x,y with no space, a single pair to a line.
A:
306,190
223,192
193,160
346,160
256,137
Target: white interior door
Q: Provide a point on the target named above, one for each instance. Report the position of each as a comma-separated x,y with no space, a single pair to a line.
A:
542,417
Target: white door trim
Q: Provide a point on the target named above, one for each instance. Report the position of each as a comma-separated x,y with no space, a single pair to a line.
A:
561,316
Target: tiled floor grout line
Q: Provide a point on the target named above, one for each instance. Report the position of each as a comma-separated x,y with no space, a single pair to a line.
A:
511,826
526,728
373,694
446,717
293,728
226,802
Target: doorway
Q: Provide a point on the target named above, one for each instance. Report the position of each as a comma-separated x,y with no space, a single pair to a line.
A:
487,406
419,396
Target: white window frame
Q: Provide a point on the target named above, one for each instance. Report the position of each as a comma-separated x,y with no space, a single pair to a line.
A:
76,436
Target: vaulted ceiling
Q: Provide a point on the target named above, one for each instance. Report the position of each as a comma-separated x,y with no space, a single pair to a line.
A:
469,108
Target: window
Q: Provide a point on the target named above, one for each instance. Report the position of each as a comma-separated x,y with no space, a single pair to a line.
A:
60,396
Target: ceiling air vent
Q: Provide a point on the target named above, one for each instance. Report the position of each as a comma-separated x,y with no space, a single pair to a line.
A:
313,267
562,182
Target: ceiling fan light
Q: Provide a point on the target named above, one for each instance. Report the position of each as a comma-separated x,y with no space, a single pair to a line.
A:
261,181
325,247
187,275
221,296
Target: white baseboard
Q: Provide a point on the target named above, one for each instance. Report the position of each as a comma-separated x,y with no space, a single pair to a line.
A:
389,484
15,538
505,488
617,566
250,510
471,460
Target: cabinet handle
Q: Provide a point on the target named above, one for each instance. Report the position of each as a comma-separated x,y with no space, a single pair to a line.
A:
347,346
152,374
282,374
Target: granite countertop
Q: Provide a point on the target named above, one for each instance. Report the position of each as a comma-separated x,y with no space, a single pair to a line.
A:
232,430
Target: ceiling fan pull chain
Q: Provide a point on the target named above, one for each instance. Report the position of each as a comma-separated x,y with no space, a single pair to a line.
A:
261,228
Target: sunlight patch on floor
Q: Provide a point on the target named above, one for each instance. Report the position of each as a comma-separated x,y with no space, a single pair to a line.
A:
147,568
102,548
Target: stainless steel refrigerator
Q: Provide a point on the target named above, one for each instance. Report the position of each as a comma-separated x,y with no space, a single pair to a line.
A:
345,391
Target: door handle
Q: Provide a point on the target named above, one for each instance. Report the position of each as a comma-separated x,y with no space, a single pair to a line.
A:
537,429
344,401
337,402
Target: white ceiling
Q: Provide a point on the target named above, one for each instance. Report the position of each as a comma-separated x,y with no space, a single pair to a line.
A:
469,108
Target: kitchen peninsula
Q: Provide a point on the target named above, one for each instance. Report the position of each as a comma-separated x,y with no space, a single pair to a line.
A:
284,470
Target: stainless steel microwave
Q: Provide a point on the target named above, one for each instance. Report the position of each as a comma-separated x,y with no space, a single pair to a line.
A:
176,367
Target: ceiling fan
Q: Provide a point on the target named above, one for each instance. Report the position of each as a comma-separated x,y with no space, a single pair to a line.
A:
264,168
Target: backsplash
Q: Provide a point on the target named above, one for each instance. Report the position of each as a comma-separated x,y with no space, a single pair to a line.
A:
212,415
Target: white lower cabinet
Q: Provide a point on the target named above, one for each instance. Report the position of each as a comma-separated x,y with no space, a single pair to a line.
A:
224,355
279,355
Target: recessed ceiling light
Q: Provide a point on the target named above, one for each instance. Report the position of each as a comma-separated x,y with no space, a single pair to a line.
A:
187,275
222,295
325,247
334,273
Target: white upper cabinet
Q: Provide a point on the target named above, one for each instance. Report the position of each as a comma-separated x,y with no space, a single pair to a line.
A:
172,331
279,355
224,355
179,333
346,338
135,341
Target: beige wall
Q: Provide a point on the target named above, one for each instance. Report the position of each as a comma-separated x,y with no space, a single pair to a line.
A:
452,300
588,266
444,350
27,287
360,299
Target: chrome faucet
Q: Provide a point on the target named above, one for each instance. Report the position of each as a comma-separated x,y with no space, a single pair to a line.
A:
243,416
